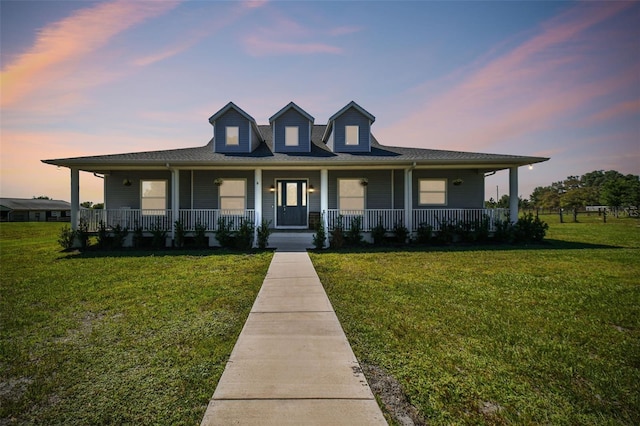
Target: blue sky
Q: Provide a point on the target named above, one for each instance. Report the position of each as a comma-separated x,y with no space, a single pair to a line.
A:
556,79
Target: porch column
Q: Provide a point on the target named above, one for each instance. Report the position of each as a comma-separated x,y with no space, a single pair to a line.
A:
324,198
513,194
408,199
175,200
257,203
75,198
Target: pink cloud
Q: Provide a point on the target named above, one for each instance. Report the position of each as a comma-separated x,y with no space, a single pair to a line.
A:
258,46
534,87
622,109
61,45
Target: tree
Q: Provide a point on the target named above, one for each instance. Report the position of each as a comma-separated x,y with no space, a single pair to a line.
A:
86,204
41,197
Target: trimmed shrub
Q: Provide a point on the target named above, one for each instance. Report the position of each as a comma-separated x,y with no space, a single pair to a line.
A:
224,234
320,237
66,238
400,232
263,234
424,233
200,236
353,237
336,235
378,233
159,235
180,233
243,238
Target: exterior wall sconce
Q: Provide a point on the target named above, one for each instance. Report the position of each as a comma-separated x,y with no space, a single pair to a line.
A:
458,182
272,188
311,188
364,181
218,181
126,182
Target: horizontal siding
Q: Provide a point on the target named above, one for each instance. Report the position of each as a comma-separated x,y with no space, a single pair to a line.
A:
398,189
205,191
292,118
352,117
185,189
377,193
120,196
232,118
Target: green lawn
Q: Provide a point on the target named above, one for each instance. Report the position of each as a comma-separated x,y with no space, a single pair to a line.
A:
546,334
133,338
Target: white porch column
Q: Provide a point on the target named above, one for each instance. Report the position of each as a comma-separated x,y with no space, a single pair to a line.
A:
513,194
75,198
175,199
257,203
324,197
408,199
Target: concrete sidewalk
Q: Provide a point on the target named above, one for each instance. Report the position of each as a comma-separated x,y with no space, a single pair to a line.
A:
292,363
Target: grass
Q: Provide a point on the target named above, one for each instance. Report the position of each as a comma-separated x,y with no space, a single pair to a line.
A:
134,338
497,335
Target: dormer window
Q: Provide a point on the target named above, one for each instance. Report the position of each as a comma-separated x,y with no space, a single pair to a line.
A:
232,136
351,135
291,136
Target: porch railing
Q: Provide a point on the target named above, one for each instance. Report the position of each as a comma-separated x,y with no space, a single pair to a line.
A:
438,217
162,219
370,218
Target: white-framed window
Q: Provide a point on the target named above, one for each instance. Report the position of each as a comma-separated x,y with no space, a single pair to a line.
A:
153,197
232,135
291,136
232,195
351,135
432,192
351,195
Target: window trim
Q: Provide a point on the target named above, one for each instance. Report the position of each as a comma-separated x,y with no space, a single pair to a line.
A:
346,134
244,196
154,212
287,142
226,135
445,191
364,194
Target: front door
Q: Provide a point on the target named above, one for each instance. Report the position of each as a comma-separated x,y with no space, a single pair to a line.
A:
291,208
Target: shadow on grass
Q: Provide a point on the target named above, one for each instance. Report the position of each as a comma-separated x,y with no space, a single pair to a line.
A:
94,253
547,244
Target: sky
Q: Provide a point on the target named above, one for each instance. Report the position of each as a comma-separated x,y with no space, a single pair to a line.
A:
550,79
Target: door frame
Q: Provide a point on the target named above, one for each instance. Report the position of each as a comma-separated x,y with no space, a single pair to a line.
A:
275,203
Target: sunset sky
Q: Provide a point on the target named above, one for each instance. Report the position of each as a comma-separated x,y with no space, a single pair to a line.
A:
552,79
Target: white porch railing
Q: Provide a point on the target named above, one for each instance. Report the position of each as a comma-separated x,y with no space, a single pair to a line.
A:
163,219
370,218
438,217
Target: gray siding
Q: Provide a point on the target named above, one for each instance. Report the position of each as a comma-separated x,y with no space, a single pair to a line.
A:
232,118
205,191
269,198
185,189
118,195
469,195
398,188
292,118
352,117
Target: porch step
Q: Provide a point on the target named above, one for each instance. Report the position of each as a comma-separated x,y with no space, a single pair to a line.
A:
300,240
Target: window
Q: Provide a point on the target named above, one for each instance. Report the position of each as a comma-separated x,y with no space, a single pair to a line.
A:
350,195
233,135
232,196
351,135
433,192
154,197
291,136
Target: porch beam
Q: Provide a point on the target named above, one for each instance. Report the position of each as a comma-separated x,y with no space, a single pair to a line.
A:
324,198
175,199
513,194
75,198
408,199
257,203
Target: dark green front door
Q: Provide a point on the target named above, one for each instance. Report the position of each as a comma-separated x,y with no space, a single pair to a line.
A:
292,203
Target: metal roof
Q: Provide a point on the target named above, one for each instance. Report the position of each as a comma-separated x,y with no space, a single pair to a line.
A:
33,204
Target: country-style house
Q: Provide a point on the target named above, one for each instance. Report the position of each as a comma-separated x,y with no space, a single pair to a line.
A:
292,172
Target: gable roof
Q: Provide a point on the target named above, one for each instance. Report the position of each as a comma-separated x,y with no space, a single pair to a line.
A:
333,118
33,204
235,107
289,106
319,156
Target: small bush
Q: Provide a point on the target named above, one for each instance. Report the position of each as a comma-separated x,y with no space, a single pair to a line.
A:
353,237
200,236
424,233
263,234
378,233
158,234
224,234
66,238
103,239
336,235
400,233
320,237
529,228
119,235
138,236
83,234
243,238
447,234
179,233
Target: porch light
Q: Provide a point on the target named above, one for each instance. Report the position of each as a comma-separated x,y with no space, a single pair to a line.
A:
272,188
311,188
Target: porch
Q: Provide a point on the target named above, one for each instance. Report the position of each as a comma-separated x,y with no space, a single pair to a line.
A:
208,218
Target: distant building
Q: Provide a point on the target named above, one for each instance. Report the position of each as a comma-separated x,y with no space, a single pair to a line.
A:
34,210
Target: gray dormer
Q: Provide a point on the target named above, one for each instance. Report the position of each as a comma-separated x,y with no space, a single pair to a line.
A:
291,127
234,131
349,130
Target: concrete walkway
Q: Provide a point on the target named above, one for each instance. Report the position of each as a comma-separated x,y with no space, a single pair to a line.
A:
292,363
